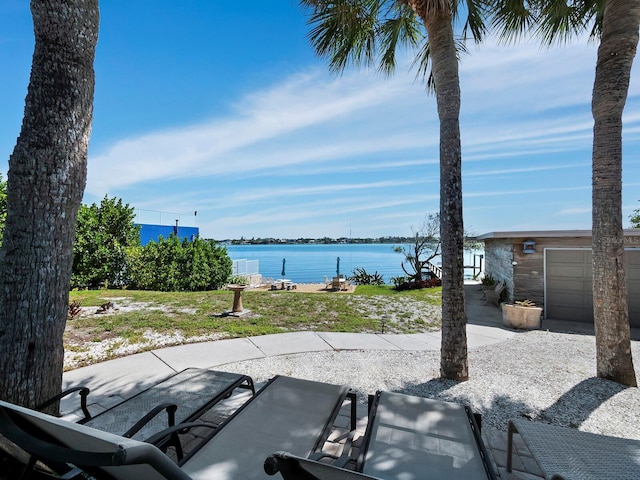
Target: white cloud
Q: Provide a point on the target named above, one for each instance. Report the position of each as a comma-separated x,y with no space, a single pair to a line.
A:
300,102
306,153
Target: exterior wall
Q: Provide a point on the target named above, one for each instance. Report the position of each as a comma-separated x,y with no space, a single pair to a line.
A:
525,279
150,233
498,254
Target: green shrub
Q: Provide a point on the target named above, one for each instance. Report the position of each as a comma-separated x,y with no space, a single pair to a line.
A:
103,235
172,265
419,284
488,281
239,280
397,281
360,277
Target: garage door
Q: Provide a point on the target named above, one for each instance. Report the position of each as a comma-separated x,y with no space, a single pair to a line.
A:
569,285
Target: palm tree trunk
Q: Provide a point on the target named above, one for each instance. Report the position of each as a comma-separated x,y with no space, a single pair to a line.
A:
453,353
615,57
47,174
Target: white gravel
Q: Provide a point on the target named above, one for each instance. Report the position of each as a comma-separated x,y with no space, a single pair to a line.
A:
540,375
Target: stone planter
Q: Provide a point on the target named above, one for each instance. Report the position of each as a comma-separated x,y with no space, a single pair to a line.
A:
517,316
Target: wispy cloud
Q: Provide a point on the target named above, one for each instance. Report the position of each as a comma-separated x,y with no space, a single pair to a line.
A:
298,103
310,152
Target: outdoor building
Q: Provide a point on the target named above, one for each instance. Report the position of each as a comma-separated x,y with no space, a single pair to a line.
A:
150,233
553,269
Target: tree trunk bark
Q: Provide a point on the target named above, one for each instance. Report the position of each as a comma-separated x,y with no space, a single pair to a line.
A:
615,57
444,61
46,179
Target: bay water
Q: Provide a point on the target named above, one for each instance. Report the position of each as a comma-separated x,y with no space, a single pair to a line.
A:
311,263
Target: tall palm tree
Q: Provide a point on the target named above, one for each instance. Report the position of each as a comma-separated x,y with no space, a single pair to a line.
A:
369,31
618,44
47,172
616,23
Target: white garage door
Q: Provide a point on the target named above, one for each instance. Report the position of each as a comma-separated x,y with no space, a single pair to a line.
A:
569,289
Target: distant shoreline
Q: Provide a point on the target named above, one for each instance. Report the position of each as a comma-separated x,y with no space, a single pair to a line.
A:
318,241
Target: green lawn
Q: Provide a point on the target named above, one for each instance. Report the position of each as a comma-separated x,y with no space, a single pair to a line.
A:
194,316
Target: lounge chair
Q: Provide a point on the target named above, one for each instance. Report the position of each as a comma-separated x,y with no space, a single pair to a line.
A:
415,437
567,453
184,396
288,414
407,437
292,467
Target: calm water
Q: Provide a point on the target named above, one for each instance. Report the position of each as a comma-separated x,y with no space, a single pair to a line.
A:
311,263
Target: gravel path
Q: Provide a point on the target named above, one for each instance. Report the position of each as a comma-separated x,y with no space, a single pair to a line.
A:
537,374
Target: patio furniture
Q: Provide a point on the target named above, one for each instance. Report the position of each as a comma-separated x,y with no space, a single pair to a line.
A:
185,396
292,414
192,390
415,437
293,467
566,453
287,414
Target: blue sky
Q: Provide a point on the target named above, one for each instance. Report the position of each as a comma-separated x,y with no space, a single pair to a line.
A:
223,108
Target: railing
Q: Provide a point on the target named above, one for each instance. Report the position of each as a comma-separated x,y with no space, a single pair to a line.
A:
435,269
245,267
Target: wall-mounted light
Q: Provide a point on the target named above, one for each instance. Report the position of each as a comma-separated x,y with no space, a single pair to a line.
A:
529,246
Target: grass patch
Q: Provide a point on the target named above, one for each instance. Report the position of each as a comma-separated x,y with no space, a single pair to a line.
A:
199,314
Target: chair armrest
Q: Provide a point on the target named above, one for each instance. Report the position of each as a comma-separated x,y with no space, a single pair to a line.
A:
171,420
84,393
159,437
292,467
48,450
340,461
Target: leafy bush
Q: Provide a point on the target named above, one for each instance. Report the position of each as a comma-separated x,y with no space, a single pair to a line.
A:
172,265
239,280
397,281
103,234
420,284
360,277
488,281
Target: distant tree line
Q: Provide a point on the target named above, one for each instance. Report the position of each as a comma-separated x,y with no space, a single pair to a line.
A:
321,241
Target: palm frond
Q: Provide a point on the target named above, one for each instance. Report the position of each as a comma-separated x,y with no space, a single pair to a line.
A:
559,21
423,63
477,11
403,28
344,31
592,12
513,18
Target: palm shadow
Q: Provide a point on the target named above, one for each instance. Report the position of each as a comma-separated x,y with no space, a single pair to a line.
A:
571,409
575,406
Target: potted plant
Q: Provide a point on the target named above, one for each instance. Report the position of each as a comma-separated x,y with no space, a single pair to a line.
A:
521,314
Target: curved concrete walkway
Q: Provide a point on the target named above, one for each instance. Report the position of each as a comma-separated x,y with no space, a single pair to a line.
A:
115,380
